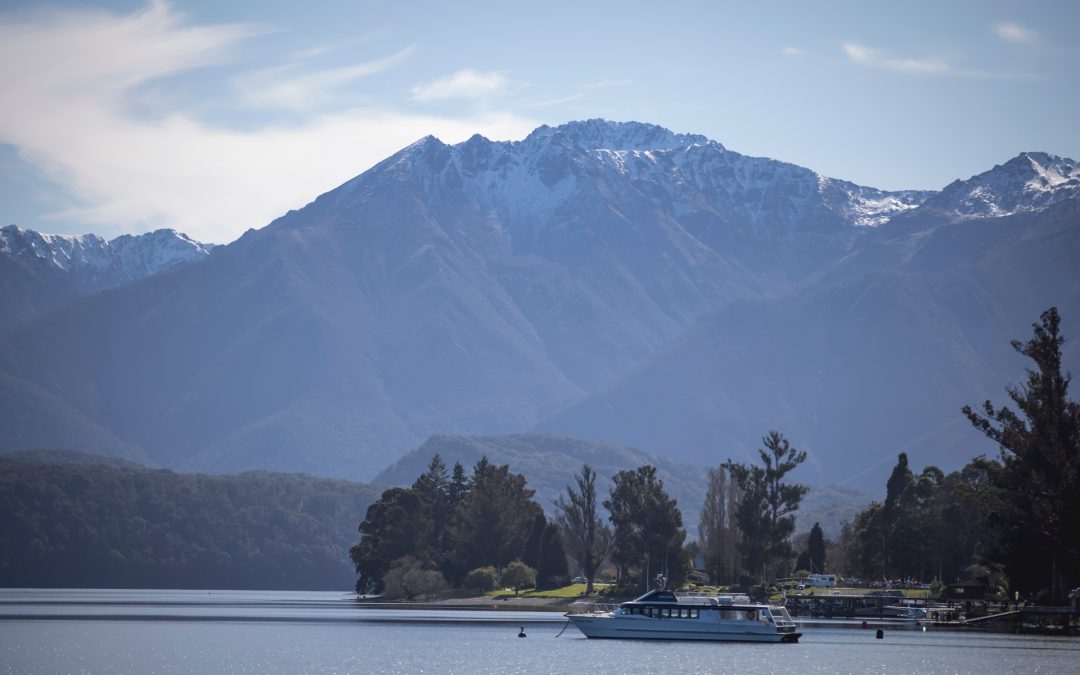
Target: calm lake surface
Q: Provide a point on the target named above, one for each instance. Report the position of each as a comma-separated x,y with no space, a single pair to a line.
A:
105,631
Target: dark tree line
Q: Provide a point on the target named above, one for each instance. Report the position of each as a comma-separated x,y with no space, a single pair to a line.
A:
486,529
930,525
1014,520
453,525
100,526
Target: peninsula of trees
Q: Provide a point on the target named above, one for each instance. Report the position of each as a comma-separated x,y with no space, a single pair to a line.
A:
1011,522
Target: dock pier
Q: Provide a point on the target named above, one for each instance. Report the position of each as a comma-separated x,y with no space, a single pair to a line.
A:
967,615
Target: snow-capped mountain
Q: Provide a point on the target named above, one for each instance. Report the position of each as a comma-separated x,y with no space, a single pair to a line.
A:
49,268
717,196
1031,181
486,286
92,258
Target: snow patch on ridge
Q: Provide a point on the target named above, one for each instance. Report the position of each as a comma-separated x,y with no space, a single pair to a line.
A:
127,257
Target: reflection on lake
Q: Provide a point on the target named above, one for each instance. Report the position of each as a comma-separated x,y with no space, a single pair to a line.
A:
49,631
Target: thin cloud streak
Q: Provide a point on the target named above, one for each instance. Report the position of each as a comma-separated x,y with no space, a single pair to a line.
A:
79,72
873,58
278,88
462,84
1014,32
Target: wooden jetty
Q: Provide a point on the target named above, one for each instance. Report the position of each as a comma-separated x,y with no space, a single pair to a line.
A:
1030,619
848,606
967,615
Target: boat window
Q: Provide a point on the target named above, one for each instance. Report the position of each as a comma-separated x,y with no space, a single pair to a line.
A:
667,612
694,613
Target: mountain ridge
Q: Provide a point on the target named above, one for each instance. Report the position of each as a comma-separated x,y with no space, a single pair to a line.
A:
487,288
40,271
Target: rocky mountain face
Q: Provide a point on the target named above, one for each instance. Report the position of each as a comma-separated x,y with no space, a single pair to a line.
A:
554,282
875,354
1027,183
39,271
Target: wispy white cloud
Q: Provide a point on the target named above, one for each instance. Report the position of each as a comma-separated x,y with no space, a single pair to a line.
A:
792,51
462,84
874,58
284,87
71,77
1014,32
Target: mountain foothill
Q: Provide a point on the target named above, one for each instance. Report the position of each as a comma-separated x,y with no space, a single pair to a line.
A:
600,280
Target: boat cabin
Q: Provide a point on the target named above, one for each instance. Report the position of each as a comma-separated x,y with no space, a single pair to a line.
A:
663,604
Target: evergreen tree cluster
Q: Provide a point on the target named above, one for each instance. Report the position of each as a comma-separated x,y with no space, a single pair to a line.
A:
1013,521
749,515
458,527
485,528
929,526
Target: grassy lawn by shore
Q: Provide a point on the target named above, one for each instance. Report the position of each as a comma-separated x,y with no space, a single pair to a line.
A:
571,591
825,592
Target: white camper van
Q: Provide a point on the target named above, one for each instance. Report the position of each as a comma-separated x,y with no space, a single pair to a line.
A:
822,581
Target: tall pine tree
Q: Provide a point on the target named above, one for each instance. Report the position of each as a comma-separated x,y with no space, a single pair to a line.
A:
1037,499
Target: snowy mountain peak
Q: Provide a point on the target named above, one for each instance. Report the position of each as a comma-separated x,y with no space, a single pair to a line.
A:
1031,181
99,263
523,191
600,134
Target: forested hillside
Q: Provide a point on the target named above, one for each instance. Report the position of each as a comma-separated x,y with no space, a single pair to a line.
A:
85,523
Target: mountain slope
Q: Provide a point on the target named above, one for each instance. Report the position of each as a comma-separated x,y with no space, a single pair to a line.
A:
474,288
39,271
871,356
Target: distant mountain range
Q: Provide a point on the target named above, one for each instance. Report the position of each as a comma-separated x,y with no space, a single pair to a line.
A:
40,271
596,279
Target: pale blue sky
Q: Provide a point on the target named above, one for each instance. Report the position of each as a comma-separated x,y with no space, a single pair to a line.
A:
213,117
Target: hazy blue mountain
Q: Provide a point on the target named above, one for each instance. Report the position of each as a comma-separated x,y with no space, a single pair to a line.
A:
473,288
549,462
596,279
875,354
39,271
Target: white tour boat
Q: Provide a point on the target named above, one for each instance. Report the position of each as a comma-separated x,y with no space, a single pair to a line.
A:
663,615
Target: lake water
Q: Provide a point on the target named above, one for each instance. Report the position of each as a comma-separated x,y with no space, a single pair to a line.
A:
81,631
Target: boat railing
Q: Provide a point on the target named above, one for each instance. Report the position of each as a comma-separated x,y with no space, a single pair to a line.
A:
592,608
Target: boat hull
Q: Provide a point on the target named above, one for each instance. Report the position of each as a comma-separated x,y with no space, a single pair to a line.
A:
606,626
